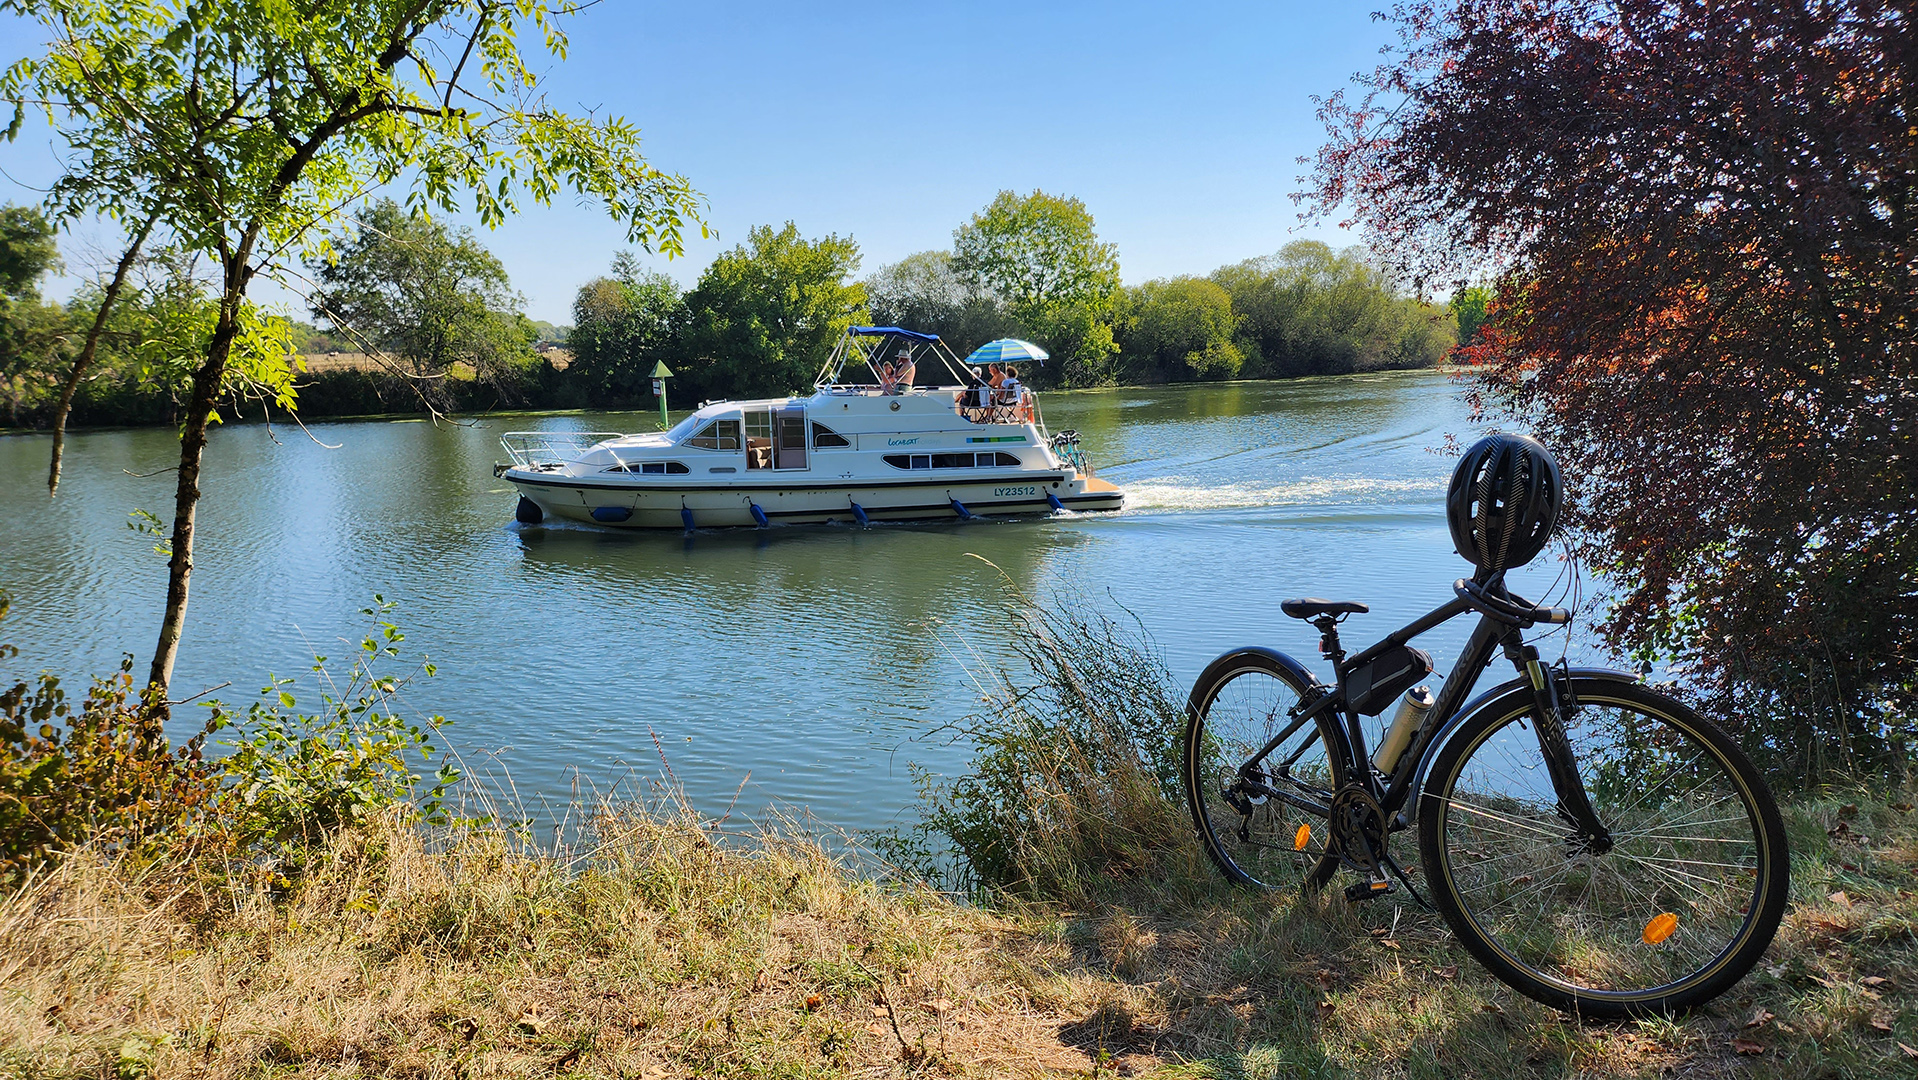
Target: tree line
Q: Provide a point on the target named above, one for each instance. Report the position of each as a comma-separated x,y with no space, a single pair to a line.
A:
436,315
763,315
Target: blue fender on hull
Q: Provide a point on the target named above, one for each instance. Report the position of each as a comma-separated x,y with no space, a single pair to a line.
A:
611,514
859,515
528,512
758,514
960,509
1053,501
686,515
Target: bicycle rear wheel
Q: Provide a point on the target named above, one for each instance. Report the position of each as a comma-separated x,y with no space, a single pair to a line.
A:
1263,815
1676,910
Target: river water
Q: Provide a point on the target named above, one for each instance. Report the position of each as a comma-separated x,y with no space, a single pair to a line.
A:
798,668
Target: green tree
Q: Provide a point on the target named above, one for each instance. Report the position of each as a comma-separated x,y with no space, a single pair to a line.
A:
1468,306
622,326
405,285
926,292
245,125
31,332
763,317
1040,255
1309,310
1180,328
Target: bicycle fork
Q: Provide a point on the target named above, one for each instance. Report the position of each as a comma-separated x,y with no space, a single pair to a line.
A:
1548,718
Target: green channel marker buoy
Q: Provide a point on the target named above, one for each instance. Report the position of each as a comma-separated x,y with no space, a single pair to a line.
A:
660,374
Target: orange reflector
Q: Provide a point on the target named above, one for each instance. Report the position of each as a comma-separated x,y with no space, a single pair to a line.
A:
1661,927
1302,838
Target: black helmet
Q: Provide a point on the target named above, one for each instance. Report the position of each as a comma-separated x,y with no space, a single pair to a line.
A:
1504,500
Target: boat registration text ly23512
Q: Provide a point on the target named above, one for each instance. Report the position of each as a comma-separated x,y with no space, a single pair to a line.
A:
1024,489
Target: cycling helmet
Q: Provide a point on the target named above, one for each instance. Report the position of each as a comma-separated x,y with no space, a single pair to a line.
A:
1504,500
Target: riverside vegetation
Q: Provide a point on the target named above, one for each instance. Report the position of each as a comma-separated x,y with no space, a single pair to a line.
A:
410,315
319,906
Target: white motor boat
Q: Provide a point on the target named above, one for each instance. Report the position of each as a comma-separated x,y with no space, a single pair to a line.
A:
851,452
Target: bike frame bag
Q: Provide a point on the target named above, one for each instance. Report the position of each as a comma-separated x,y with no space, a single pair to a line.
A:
1374,685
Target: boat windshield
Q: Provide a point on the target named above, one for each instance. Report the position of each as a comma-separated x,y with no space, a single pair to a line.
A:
683,428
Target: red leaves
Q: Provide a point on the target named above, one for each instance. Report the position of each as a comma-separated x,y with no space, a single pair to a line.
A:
1702,237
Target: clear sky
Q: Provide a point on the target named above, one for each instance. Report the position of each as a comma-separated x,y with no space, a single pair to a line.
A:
1179,124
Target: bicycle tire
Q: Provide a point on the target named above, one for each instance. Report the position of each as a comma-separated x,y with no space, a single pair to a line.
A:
1606,937
1239,701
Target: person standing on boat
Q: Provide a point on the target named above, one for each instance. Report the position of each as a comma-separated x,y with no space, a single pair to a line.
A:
903,372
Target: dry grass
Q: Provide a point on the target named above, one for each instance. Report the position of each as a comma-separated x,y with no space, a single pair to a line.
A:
660,954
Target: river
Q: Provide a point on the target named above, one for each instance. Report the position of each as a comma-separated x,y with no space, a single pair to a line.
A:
797,668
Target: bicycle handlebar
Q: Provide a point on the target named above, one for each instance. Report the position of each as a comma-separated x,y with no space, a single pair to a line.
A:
1509,608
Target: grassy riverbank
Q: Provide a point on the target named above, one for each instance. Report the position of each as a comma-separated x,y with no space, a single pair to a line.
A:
654,952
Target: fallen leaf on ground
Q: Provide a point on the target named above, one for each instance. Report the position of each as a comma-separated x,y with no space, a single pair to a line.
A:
875,1029
1875,981
938,1006
1746,1046
1909,1052
813,1001
881,1010
1840,898
1881,1024
1491,1007
1449,971
1760,1018
1388,943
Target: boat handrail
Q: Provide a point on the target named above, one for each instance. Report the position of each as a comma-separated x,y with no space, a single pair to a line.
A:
543,447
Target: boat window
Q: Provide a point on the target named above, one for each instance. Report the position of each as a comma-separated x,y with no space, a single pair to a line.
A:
823,436
718,435
656,467
951,461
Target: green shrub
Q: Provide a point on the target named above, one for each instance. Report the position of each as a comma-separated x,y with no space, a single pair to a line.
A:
294,777
101,774
104,775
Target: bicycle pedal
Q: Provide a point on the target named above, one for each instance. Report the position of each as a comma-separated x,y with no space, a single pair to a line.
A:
1368,889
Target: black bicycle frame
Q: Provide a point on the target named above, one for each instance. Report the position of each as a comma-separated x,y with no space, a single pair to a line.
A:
1503,619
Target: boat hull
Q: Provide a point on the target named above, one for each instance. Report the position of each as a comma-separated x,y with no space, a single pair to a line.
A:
630,505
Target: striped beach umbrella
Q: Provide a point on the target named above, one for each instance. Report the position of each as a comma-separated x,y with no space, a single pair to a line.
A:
1006,351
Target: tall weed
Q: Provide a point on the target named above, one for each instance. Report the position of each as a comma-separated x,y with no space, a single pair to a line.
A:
1075,775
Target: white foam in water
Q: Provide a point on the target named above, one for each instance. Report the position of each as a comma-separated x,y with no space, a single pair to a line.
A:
1181,493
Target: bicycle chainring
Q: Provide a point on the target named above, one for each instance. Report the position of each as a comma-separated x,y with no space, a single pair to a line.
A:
1358,829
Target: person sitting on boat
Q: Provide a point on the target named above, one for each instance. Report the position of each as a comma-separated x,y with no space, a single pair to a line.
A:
1011,391
981,392
887,379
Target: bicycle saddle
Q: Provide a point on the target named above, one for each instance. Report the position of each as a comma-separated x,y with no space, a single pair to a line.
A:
1311,607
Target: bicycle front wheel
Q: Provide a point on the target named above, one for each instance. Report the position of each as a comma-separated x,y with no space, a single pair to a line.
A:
1261,806
1669,913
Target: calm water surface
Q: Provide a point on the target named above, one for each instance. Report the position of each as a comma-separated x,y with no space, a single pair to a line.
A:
798,667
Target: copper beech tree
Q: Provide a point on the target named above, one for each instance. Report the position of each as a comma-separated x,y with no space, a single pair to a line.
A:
1699,215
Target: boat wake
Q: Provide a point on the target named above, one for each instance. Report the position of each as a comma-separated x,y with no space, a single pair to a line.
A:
1175,493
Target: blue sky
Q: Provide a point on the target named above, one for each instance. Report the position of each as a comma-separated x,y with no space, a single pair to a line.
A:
1178,124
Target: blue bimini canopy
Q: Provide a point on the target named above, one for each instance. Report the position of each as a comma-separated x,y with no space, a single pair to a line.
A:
882,331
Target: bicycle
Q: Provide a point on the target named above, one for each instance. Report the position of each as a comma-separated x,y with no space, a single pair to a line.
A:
1597,845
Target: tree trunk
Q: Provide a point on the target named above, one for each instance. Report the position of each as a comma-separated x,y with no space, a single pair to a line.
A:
86,354
206,393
